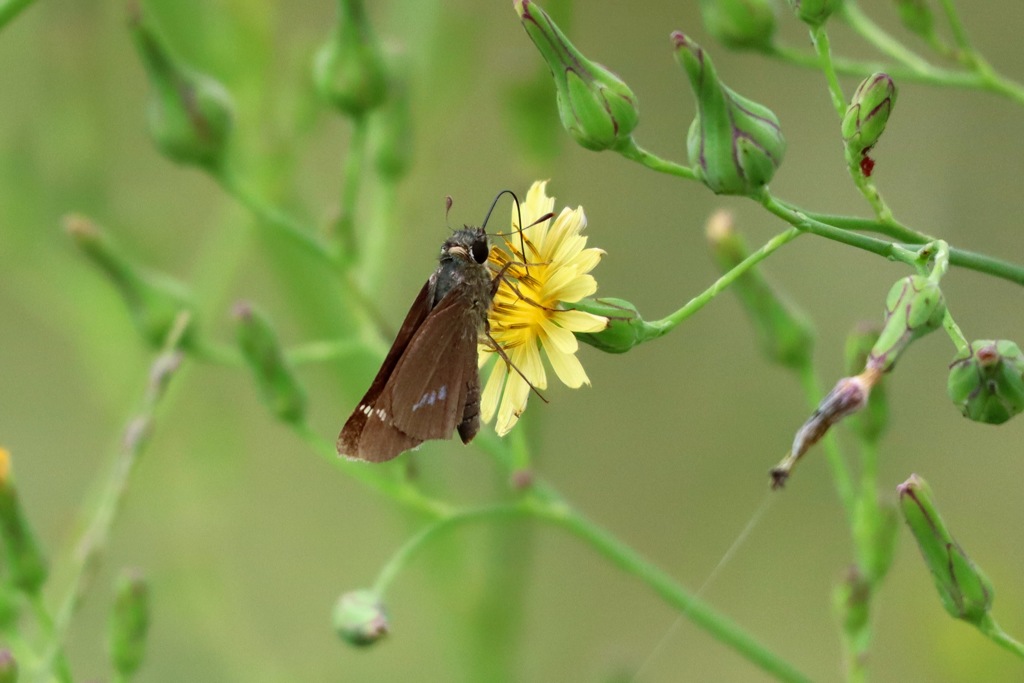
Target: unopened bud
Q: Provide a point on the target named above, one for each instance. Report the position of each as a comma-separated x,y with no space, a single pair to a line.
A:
626,328
785,334
24,558
359,618
814,12
349,70
986,381
595,106
871,422
866,118
190,114
740,24
734,144
129,623
278,384
913,308
965,591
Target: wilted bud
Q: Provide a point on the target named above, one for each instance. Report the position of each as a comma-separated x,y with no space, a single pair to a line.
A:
359,618
154,300
8,667
814,12
848,396
916,16
986,381
626,328
866,117
965,591
190,114
913,308
129,623
23,556
785,334
734,144
595,106
280,388
740,24
871,422
348,70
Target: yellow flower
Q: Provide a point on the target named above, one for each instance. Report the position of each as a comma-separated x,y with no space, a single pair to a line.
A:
527,314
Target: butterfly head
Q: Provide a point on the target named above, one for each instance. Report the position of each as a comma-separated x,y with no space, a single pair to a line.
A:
469,244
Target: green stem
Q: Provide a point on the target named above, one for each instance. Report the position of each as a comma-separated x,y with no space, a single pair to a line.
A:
959,31
635,153
9,9
883,42
819,37
893,228
351,180
1000,637
669,322
324,351
46,624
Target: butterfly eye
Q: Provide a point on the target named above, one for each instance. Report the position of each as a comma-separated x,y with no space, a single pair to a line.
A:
480,250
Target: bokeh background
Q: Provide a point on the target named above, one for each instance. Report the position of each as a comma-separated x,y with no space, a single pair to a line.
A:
248,537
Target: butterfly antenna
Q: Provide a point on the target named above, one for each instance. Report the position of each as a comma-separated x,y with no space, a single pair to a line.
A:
447,210
519,213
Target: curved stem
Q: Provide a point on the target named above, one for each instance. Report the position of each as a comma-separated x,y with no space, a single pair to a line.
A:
636,153
819,37
352,175
883,42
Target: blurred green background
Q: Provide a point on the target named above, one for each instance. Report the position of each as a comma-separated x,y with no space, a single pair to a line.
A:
249,538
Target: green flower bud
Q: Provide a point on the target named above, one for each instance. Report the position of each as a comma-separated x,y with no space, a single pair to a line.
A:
965,591
278,384
735,144
785,334
348,69
359,618
595,106
914,307
25,562
129,623
626,328
866,117
190,114
916,17
814,12
8,667
986,381
740,24
870,423
154,300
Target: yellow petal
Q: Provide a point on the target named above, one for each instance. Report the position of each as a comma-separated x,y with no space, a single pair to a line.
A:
572,289
557,338
527,359
492,391
568,368
513,403
580,321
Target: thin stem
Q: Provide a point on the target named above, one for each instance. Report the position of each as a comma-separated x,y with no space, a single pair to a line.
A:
669,322
635,153
819,37
959,31
1001,638
885,43
893,228
9,9
351,180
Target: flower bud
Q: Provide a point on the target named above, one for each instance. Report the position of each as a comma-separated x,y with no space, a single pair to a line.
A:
348,69
916,16
814,12
913,308
129,623
154,300
626,328
785,334
595,106
8,667
740,24
23,556
866,117
871,422
359,618
986,381
190,114
965,591
280,388
734,144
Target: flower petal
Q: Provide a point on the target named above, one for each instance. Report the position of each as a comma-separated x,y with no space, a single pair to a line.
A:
557,339
492,390
568,368
580,321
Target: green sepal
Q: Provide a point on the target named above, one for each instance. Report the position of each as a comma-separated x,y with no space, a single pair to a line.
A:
785,334
914,307
867,115
595,106
129,623
279,386
740,24
348,69
871,423
965,591
814,13
986,381
735,144
626,328
190,115
154,300
359,618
